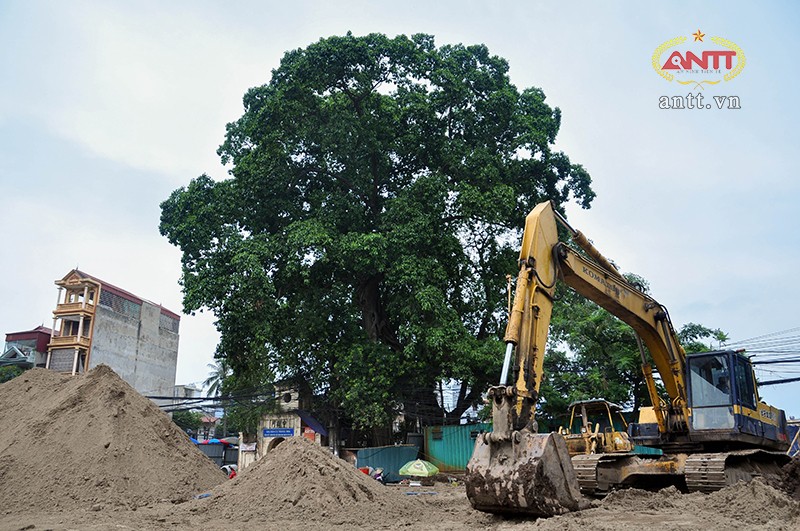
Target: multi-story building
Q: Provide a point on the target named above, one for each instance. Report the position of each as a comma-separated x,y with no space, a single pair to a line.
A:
96,322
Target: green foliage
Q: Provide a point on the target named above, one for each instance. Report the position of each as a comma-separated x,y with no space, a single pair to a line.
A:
216,378
247,396
691,334
187,420
10,371
379,186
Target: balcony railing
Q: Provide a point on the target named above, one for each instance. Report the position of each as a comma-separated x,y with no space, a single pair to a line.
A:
73,307
70,342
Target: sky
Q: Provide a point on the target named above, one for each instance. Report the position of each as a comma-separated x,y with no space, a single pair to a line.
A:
106,108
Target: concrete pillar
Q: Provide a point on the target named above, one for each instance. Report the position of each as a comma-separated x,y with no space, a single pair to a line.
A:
55,319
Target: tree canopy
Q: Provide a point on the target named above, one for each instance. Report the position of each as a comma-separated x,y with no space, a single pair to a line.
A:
188,420
377,193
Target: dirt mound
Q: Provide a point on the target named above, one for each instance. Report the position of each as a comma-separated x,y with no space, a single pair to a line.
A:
91,441
668,498
754,503
744,506
300,481
791,478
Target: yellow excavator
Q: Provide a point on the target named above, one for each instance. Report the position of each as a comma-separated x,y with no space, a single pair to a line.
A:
712,428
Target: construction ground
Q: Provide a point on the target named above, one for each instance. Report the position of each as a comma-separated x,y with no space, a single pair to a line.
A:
89,452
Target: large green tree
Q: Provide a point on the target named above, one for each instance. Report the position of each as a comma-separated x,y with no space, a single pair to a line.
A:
378,188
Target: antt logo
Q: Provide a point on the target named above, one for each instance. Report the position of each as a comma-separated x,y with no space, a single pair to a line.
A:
708,59
698,63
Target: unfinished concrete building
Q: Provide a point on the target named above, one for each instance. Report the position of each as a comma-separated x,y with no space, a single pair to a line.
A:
96,322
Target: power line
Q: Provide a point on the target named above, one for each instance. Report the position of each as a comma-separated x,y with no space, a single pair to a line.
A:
780,381
758,338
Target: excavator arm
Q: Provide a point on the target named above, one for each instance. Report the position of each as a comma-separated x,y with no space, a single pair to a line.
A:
543,261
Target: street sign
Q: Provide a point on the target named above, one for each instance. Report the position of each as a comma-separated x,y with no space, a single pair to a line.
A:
278,432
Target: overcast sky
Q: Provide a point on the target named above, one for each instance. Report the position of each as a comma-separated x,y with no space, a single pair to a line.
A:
105,108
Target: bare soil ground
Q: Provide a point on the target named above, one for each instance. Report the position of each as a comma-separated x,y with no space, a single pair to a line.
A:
90,453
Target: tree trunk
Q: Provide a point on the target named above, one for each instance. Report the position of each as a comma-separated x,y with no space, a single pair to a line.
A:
373,314
465,399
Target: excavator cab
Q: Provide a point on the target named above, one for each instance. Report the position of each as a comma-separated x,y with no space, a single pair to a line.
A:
723,406
723,398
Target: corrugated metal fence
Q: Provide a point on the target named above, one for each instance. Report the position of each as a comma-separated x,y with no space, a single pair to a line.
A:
450,447
389,458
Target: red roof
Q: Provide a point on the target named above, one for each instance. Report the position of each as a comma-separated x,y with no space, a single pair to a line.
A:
41,334
39,329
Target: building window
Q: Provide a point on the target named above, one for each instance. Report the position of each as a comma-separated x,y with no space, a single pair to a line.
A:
122,306
166,322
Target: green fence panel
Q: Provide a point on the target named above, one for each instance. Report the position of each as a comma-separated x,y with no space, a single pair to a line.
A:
450,447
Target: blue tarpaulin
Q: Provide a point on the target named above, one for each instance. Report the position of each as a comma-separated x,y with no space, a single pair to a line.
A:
312,423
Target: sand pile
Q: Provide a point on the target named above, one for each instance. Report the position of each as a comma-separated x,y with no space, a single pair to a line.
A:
91,441
754,503
302,482
791,478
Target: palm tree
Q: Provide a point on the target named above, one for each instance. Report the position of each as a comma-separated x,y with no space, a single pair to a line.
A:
219,371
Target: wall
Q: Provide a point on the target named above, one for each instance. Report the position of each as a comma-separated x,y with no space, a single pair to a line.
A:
62,359
390,458
286,425
140,351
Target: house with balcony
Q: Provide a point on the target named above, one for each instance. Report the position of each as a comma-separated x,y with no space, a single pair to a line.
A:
96,322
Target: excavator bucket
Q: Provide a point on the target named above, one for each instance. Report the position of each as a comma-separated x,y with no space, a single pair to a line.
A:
526,473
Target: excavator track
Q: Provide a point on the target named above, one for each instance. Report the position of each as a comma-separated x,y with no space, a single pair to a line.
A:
714,471
586,470
705,472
